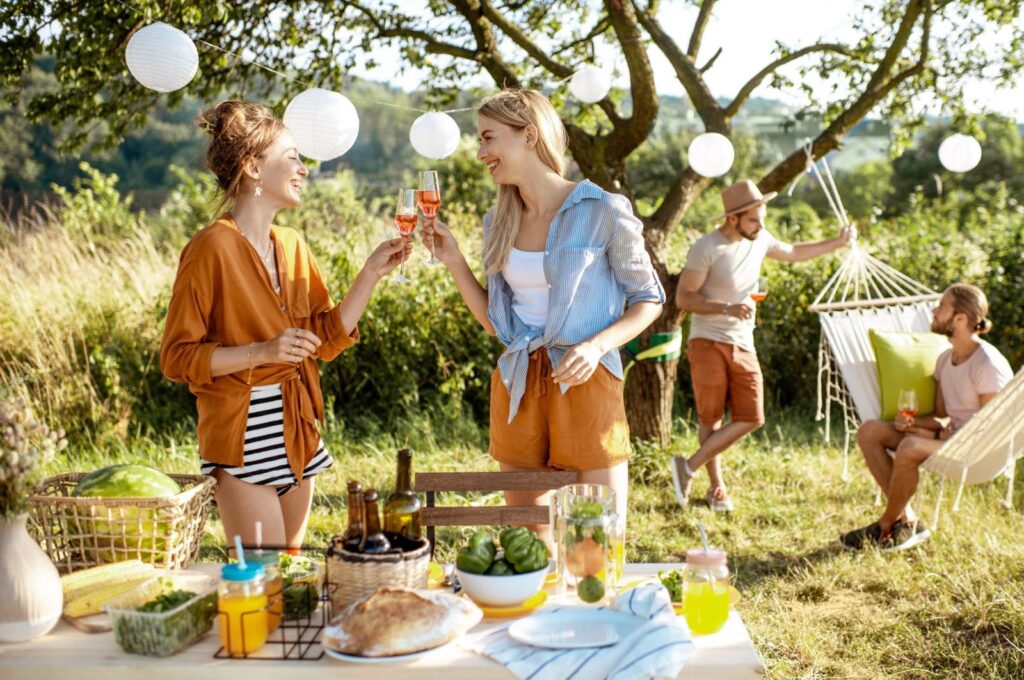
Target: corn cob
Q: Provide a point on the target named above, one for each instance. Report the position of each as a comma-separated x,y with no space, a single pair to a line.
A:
87,581
91,602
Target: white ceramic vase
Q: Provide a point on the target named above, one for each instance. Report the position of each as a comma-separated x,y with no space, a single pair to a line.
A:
30,593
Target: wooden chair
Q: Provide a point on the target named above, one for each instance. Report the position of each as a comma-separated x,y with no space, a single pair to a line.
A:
433,482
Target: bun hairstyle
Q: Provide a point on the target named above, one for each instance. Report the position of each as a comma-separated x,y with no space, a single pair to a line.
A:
971,301
238,131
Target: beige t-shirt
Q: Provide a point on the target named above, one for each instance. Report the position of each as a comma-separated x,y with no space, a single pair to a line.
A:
985,372
733,268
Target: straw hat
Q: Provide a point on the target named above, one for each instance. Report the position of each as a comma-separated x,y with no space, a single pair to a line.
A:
742,196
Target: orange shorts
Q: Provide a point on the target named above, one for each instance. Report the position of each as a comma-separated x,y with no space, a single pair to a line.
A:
583,429
725,374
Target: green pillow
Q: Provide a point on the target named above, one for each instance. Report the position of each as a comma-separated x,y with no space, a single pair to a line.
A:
907,361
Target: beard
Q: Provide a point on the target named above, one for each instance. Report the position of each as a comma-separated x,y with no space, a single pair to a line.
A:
943,328
749,237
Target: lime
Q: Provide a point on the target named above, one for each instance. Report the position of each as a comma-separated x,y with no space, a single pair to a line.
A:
590,589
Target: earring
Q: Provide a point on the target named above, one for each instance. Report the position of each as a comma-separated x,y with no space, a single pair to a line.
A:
258,191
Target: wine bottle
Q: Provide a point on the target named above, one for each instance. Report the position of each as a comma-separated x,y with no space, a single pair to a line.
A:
402,508
374,541
354,533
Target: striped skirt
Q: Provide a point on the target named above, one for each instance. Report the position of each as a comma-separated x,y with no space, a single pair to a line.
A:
264,459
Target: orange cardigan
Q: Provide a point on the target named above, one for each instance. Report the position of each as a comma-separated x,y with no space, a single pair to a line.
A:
223,296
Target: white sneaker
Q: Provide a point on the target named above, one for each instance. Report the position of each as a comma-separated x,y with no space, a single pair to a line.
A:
682,479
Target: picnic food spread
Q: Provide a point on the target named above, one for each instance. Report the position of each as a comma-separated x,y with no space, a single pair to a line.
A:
376,578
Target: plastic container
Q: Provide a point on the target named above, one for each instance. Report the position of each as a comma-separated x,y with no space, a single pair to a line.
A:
169,632
705,590
242,608
302,580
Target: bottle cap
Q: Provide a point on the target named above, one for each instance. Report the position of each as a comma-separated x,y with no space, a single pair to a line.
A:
239,572
699,557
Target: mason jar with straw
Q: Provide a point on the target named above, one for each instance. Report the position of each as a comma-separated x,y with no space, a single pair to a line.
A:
705,588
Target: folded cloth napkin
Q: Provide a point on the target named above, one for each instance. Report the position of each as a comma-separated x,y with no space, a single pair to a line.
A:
656,649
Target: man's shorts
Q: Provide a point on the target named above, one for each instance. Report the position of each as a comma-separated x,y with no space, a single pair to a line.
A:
724,374
583,429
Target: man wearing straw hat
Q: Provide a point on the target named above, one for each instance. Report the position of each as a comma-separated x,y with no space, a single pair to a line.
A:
722,271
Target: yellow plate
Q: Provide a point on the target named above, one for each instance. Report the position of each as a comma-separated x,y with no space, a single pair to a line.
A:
734,598
494,612
435,575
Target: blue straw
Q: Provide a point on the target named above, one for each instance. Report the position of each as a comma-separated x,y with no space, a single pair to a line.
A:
240,552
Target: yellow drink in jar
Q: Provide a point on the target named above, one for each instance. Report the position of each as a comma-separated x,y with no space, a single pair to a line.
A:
706,606
243,622
275,595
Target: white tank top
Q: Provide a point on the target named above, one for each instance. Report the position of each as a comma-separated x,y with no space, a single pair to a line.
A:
524,273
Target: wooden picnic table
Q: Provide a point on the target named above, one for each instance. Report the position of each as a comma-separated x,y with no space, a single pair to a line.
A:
68,653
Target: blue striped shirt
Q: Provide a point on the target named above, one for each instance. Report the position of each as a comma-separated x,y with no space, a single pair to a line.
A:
595,263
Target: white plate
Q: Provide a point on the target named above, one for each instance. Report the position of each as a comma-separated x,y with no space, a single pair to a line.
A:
574,628
379,659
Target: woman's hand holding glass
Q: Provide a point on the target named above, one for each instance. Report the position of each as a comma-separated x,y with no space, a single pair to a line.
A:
388,256
438,237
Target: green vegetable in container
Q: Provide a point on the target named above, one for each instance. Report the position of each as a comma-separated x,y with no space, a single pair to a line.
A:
500,568
165,624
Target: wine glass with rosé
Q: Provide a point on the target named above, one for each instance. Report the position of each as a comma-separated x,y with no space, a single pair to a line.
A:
405,220
907,404
429,197
761,292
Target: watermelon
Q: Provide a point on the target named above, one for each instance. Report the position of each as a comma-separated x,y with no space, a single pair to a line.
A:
128,532
126,481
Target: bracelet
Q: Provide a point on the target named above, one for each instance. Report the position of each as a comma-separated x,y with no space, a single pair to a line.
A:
725,309
248,362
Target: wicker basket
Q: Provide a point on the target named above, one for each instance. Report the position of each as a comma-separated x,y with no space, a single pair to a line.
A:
352,576
83,532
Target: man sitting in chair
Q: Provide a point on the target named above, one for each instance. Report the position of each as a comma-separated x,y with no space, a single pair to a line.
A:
967,376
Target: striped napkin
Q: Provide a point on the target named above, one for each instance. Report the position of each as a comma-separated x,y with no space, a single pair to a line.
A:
656,649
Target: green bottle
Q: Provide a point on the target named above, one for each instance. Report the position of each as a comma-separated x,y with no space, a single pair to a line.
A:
402,508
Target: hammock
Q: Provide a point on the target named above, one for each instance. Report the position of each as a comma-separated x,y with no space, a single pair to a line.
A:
866,294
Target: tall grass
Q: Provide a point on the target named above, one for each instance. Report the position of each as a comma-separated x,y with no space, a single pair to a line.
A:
73,313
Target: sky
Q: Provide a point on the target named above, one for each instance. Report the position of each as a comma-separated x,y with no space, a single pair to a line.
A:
747,46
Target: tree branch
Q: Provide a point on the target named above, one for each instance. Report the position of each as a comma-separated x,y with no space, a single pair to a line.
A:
714,57
882,83
599,28
520,38
633,131
698,29
700,94
748,88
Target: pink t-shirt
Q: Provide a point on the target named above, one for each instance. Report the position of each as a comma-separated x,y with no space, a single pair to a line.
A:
985,372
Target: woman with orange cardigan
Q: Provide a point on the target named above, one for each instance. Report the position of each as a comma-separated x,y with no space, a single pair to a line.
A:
249,317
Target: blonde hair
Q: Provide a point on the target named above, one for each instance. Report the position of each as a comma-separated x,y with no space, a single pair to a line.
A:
519,109
971,301
238,131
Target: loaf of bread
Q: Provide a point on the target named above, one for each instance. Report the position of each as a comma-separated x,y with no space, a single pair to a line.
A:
395,621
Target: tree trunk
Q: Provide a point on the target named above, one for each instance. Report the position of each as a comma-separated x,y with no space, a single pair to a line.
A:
651,385
649,393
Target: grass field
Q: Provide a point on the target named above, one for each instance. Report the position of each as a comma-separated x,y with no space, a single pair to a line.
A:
952,608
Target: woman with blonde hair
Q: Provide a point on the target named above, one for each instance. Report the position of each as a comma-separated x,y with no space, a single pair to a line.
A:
248,319
561,260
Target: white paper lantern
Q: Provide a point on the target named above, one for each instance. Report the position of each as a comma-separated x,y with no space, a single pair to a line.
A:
435,135
959,153
711,154
590,84
324,123
162,58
